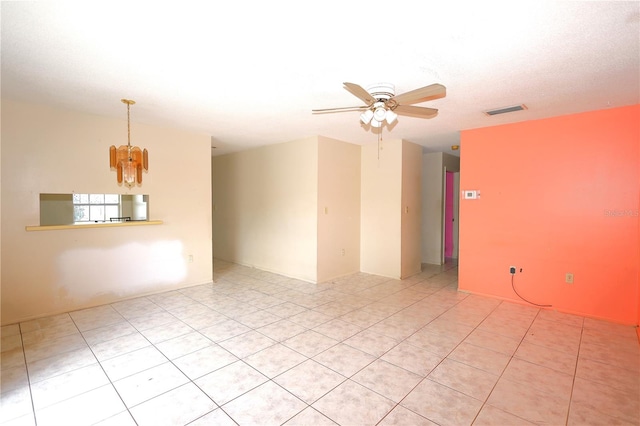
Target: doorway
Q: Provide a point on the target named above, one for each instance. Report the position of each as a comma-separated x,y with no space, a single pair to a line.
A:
450,227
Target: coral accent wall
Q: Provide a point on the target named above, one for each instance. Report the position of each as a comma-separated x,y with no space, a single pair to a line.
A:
557,196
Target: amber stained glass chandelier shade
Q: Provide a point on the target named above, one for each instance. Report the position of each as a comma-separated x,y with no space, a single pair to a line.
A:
127,160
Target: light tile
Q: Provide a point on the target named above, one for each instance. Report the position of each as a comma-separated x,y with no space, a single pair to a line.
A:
286,309
10,330
170,299
398,333
132,362
13,378
247,344
438,343
560,317
229,382
59,364
87,319
136,307
441,404
450,328
310,343
310,319
275,360
54,347
608,400
27,420
12,358
166,331
402,416
200,321
258,319
387,379
463,378
49,333
184,311
476,356
528,403
265,302
353,404
412,358
372,343
620,342
270,405
496,342
338,329
554,336
492,416
610,355
176,407
150,383
581,414
204,361
151,320
310,416
16,404
183,345
119,346
609,328
216,417
281,330
224,330
606,374
363,318
505,326
542,379
11,342
55,389
344,359
109,332
121,419
309,381
86,408
45,322
561,361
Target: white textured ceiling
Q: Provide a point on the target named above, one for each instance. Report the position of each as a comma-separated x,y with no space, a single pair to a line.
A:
248,73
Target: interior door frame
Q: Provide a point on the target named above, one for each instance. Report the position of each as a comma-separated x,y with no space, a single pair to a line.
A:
456,210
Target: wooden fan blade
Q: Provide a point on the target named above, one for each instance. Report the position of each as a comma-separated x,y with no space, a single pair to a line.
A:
359,92
414,111
423,94
343,109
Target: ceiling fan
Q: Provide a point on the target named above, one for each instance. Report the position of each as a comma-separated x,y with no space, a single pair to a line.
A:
382,104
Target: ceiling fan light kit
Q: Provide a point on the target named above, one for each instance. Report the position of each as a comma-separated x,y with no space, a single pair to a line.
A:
382,104
366,116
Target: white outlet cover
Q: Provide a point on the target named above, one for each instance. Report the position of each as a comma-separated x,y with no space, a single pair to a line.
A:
470,194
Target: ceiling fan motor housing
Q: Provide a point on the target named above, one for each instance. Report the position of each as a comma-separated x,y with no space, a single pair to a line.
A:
382,91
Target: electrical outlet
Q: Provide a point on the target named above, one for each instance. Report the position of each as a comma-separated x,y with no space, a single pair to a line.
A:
512,270
343,252
190,258
568,278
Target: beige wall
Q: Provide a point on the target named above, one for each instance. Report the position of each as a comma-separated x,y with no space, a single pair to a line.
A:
58,151
266,203
381,206
411,208
338,208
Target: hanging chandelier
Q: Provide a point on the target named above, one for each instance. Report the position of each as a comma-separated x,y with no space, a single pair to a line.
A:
127,160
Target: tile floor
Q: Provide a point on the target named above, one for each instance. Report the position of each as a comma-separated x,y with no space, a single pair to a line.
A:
259,348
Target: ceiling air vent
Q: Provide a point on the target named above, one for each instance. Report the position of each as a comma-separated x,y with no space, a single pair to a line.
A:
506,110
